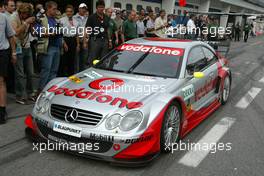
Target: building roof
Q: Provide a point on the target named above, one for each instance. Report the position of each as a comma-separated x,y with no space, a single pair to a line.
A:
244,4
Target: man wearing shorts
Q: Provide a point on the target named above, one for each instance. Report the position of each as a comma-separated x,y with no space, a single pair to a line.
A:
6,40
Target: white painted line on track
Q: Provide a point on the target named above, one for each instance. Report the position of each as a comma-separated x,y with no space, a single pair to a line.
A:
196,155
261,80
248,98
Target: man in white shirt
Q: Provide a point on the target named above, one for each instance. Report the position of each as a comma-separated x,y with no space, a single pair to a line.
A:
161,24
10,7
71,38
82,55
141,27
151,25
191,28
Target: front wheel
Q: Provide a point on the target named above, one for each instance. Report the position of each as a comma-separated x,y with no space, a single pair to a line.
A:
226,90
171,127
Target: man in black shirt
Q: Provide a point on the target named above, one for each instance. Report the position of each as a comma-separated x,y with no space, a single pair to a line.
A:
96,33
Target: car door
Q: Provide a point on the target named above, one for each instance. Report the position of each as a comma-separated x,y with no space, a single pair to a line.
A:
211,72
192,87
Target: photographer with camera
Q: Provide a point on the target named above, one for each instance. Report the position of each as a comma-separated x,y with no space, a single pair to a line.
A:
49,44
21,23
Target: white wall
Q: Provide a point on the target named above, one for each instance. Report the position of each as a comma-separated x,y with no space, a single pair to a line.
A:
135,3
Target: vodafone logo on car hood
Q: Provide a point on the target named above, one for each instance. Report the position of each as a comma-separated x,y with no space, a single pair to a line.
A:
98,95
152,49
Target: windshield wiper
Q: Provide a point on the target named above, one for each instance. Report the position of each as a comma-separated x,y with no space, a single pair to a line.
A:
138,62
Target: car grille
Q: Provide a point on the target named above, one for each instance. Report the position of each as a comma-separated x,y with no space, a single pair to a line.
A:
84,117
103,146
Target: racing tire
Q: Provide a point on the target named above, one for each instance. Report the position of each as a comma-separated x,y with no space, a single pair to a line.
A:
225,93
171,127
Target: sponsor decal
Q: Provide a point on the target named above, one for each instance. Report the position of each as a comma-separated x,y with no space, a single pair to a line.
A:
75,79
152,49
100,137
136,140
98,84
67,129
53,138
93,75
209,86
94,96
188,92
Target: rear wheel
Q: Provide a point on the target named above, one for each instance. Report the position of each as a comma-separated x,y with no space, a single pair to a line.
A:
171,127
226,90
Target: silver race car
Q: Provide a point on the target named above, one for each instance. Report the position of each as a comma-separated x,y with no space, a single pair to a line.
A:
134,103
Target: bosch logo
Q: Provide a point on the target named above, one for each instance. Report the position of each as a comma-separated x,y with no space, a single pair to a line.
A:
101,84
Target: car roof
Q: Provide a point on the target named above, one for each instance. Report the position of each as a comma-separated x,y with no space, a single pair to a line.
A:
165,42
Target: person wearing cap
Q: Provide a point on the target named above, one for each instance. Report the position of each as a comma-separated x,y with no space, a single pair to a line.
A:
81,56
97,26
6,40
21,22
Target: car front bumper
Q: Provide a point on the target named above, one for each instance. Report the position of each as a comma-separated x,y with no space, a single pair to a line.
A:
108,150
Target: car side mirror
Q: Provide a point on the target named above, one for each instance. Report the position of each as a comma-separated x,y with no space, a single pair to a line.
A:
198,75
95,62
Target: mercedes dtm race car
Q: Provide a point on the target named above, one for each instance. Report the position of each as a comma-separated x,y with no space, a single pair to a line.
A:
136,102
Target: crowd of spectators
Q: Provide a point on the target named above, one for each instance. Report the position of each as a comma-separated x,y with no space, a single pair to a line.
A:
28,39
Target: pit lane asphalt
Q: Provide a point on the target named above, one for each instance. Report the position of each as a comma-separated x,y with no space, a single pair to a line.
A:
246,135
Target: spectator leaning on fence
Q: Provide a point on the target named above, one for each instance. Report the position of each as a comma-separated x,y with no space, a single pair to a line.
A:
72,43
6,40
49,44
22,22
98,24
129,28
82,55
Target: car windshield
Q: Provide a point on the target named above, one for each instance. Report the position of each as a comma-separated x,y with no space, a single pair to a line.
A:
149,62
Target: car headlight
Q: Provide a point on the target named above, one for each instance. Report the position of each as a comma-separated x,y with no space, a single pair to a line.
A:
131,120
42,103
113,121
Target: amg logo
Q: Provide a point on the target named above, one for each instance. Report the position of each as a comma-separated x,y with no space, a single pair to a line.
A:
100,137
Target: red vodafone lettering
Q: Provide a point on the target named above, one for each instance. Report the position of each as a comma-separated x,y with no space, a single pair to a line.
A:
152,49
95,96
